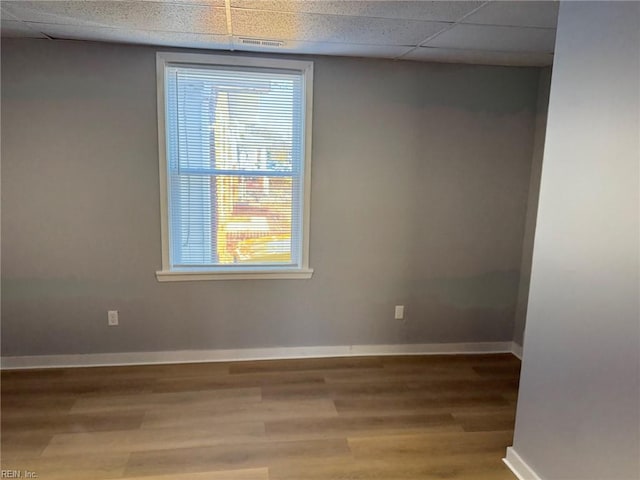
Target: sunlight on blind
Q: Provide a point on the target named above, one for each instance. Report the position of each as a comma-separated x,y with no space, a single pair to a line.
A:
235,157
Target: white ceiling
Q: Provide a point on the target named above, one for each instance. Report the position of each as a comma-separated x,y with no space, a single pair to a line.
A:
494,33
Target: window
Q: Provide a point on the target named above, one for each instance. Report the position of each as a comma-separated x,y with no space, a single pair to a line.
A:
235,143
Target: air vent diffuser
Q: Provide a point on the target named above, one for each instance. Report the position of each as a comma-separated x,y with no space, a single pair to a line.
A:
260,42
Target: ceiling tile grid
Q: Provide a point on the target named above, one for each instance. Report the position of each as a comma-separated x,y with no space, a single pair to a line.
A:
489,32
17,29
154,16
142,37
438,11
331,28
517,13
496,38
483,57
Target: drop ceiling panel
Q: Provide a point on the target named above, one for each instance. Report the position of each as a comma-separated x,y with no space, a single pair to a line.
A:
211,3
14,29
319,48
168,17
495,38
331,29
177,39
522,13
408,10
495,33
480,57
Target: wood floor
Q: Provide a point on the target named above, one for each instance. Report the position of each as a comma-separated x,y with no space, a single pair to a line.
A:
364,418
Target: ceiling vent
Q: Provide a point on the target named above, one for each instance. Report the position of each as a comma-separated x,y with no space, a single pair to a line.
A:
259,42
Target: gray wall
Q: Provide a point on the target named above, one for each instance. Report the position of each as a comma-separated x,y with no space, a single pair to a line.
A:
532,205
419,190
579,405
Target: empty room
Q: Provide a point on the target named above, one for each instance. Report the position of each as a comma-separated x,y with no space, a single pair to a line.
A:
320,240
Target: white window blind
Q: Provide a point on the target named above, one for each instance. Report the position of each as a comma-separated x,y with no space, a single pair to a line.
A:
235,163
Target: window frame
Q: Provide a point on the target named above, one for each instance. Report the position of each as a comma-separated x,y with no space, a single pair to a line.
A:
302,271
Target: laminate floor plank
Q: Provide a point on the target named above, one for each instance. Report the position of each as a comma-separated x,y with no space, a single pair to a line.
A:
296,391
308,364
486,421
480,359
243,474
349,426
367,389
17,405
503,385
22,375
235,381
232,456
414,375
72,467
498,371
483,466
238,412
409,445
154,439
61,423
512,396
78,386
210,398
415,403
16,445
356,418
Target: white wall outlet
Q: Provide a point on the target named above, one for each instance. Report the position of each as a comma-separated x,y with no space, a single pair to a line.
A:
112,317
399,312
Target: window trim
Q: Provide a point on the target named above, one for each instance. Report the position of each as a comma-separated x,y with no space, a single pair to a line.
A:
167,274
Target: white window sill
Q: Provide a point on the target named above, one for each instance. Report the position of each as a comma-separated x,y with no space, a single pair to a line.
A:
186,276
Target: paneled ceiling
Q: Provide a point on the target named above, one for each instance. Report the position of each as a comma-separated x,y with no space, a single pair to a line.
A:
492,33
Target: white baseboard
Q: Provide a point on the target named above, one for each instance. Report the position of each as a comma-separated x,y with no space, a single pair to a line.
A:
192,356
516,349
518,466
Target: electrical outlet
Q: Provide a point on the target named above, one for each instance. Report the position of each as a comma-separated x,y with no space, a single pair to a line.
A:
399,312
112,318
